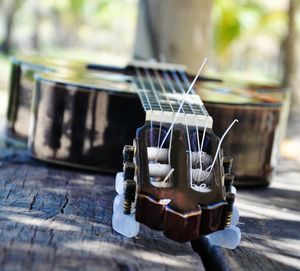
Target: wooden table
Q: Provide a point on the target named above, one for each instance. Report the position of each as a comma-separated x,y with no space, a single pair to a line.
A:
52,218
270,224
57,219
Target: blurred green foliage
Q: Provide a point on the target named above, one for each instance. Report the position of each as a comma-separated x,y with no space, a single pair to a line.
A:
246,34
63,25
236,27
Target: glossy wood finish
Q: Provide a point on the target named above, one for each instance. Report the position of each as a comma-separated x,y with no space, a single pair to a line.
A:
20,95
21,87
262,124
262,111
188,213
83,126
252,142
22,84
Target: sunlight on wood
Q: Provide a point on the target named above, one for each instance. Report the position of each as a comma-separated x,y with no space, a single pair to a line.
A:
283,243
101,248
51,224
265,212
290,149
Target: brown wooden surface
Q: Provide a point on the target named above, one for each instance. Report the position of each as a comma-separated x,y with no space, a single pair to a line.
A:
57,219
270,219
270,224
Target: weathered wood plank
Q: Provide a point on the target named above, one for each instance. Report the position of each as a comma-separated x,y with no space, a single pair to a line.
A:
270,224
270,219
57,219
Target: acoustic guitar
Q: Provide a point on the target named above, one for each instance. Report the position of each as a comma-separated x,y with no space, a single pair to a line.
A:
83,139
175,170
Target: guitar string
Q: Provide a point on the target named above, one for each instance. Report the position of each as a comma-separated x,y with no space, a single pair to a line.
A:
190,156
219,146
179,84
156,96
181,108
184,98
163,90
177,114
210,168
187,83
180,87
150,80
170,82
171,87
145,92
162,87
202,109
144,88
175,76
182,90
152,85
202,140
173,90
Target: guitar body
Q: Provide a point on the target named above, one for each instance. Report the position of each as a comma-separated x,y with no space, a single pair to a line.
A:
21,86
262,113
80,112
83,124
255,149
76,122
20,95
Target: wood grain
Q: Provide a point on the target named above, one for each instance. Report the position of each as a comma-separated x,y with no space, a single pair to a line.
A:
270,224
56,219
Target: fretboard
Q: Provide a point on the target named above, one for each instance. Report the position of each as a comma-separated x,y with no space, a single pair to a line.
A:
162,88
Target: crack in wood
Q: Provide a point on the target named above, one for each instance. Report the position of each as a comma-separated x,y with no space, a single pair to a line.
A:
8,194
47,236
32,202
51,237
23,183
33,236
62,209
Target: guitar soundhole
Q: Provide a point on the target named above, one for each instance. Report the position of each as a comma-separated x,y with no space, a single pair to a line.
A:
158,157
200,158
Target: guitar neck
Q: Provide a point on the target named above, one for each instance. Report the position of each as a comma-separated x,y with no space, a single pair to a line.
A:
162,91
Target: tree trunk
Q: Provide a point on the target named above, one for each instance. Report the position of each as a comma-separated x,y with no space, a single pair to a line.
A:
290,60
174,30
37,16
9,11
